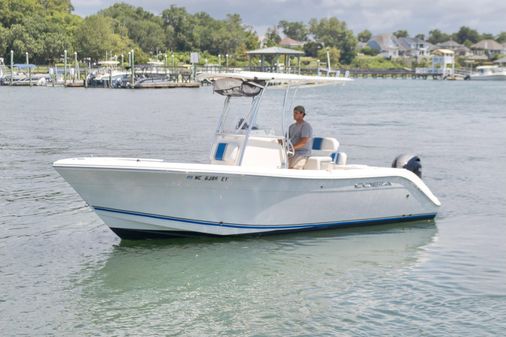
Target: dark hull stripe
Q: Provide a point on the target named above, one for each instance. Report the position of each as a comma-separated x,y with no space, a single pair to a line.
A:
140,234
271,228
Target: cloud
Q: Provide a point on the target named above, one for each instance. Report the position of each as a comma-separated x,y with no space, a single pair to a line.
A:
379,16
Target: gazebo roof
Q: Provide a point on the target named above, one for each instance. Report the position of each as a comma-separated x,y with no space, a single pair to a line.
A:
275,51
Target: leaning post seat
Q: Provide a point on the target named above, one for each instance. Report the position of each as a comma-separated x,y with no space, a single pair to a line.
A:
324,152
324,146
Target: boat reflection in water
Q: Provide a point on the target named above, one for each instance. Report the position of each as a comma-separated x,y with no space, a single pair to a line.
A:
198,272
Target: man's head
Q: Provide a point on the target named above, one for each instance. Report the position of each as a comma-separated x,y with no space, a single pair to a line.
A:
299,113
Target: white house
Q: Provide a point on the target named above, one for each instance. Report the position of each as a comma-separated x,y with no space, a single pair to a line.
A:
386,44
488,48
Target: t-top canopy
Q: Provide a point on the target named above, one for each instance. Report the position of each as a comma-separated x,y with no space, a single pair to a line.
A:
235,87
273,77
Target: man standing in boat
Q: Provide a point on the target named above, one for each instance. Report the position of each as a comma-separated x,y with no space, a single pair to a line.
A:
300,134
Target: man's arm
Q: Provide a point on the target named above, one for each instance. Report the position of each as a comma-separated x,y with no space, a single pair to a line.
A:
301,143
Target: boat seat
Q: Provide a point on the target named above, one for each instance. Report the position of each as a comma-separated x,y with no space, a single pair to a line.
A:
317,162
339,158
324,146
324,152
225,153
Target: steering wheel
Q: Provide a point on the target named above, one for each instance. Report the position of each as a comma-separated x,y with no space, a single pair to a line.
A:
290,150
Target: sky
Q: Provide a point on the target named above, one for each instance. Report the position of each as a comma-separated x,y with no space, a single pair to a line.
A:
378,16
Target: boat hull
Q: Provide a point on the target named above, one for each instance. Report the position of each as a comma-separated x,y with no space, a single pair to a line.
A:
139,199
498,77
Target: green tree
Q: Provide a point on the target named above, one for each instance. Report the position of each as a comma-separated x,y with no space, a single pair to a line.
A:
311,48
331,32
179,25
466,35
334,55
294,30
229,36
374,62
42,28
200,31
420,36
64,6
272,37
364,36
96,36
401,33
436,36
369,51
14,11
487,36
501,38
3,39
143,27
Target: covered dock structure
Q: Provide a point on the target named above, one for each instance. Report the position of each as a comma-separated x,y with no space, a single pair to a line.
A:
273,55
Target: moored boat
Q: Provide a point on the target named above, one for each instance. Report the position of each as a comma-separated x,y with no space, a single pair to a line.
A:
488,73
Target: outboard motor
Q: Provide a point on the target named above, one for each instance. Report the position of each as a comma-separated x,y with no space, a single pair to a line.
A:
409,162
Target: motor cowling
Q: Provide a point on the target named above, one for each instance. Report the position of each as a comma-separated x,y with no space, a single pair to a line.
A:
409,162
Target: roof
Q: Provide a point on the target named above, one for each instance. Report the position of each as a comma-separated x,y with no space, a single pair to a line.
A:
450,44
501,60
275,51
477,57
443,51
384,41
487,45
404,43
288,42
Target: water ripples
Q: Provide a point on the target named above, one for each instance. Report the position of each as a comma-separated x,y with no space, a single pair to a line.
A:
422,279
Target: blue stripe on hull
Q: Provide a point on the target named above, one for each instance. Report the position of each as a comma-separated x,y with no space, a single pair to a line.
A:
273,228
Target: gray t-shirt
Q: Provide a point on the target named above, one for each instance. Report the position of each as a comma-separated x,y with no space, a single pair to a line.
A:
298,131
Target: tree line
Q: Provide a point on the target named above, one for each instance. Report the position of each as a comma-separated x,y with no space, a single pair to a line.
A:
45,28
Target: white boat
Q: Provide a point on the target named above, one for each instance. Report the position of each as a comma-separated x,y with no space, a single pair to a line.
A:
246,188
488,73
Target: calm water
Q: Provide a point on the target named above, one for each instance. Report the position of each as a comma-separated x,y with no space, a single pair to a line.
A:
62,272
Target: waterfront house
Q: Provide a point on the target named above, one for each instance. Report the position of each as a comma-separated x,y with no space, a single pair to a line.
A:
386,44
458,49
413,47
488,48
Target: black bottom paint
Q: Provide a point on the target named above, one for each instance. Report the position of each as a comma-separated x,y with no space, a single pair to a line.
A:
139,234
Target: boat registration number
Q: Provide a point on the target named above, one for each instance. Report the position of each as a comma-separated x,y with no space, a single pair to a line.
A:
207,178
